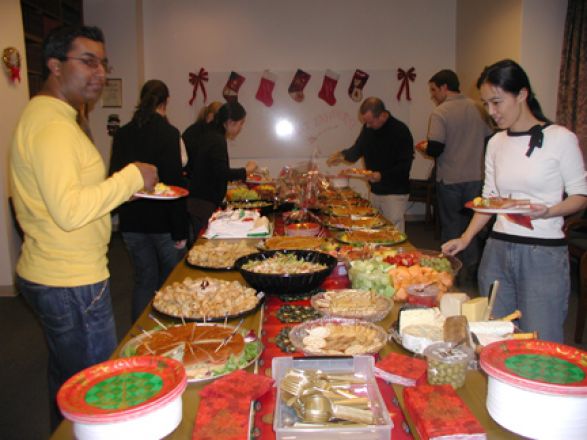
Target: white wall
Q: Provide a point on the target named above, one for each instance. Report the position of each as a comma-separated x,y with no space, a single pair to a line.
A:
543,28
486,32
527,31
183,35
13,98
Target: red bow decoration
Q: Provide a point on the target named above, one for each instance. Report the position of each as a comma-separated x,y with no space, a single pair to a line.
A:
198,81
405,78
11,60
15,74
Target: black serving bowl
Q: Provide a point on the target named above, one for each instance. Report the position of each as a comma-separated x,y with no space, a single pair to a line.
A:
287,284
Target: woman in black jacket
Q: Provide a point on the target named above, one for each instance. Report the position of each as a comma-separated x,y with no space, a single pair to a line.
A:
210,167
154,231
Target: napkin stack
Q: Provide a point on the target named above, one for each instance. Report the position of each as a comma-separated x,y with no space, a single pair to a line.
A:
237,223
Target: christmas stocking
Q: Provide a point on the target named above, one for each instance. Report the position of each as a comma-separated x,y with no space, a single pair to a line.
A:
296,88
230,91
328,85
357,84
266,88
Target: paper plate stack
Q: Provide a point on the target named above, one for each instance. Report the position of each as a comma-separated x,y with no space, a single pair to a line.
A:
537,389
136,397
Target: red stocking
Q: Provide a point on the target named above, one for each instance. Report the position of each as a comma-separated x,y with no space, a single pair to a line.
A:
296,88
266,88
357,84
328,85
230,91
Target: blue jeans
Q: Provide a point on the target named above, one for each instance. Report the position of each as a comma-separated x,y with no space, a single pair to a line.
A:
153,258
533,279
78,324
454,217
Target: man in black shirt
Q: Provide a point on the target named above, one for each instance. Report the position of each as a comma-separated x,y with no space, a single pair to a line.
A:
387,147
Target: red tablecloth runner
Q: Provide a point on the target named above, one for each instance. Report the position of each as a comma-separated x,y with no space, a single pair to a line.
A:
263,420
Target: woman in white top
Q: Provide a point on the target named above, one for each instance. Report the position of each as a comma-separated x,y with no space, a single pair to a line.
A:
535,160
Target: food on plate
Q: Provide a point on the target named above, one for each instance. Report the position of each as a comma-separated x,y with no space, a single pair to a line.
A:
372,274
338,338
360,211
237,223
205,298
439,263
498,202
355,222
305,229
402,277
219,254
417,338
420,327
205,350
451,303
376,236
283,264
161,189
356,172
420,316
279,242
266,192
249,204
338,203
241,194
294,313
352,303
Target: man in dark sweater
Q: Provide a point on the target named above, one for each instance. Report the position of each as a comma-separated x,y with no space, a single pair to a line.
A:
387,147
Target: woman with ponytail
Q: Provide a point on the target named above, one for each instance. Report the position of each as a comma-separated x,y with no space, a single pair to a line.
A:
536,160
209,165
154,231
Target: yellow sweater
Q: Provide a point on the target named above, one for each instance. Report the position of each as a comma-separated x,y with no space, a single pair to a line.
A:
62,197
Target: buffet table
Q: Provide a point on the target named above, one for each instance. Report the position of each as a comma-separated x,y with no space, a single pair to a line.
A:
473,392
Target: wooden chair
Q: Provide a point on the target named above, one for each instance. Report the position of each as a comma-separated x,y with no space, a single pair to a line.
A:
576,233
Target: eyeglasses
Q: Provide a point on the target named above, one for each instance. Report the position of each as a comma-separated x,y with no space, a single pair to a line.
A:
93,62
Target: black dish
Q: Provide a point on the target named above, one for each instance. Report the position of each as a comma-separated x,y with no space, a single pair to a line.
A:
215,269
242,314
283,284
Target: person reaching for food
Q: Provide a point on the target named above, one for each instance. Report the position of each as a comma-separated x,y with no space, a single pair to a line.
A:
387,146
210,168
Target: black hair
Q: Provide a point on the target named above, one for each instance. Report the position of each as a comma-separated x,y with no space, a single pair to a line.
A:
153,93
231,111
373,105
447,77
59,40
510,77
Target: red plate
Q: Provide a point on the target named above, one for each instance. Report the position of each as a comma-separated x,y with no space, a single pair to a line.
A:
121,388
175,192
537,365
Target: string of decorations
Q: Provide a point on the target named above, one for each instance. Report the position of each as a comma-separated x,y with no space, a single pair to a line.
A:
297,85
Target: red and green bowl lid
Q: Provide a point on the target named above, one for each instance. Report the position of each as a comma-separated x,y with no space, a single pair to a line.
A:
537,365
121,389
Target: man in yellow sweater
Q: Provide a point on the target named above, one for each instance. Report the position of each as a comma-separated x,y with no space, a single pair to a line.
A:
63,201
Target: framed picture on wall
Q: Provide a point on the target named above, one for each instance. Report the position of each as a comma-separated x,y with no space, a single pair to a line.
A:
112,93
